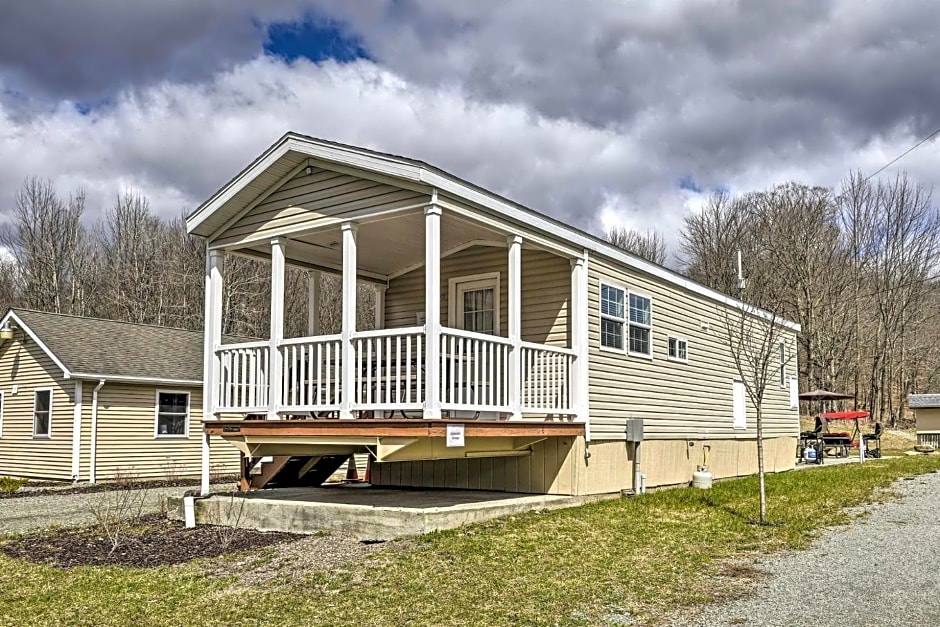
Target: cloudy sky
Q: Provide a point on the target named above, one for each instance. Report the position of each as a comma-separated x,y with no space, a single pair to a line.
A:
596,112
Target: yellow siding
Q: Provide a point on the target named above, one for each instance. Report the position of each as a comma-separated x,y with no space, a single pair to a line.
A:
928,419
26,367
320,198
126,441
559,466
546,281
675,399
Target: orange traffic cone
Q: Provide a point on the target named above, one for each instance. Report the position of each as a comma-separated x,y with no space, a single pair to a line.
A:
352,474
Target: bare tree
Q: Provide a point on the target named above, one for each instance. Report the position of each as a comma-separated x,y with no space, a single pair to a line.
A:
648,245
45,239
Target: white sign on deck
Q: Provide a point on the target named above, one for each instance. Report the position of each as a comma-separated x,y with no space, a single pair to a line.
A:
455,435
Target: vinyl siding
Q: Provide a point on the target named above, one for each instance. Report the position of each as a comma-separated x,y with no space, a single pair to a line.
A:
27,367
675,399
126,441
546,287
317,199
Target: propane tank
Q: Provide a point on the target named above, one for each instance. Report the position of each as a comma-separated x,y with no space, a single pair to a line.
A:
702,478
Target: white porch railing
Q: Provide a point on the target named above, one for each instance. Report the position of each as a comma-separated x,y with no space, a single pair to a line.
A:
389,369
546,379
243,377
390,374
474,369
311,375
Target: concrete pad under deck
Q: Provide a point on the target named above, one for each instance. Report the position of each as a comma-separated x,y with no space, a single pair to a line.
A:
369,513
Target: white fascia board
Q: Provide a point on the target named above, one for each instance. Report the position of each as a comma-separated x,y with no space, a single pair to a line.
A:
391,166
11,315
132,379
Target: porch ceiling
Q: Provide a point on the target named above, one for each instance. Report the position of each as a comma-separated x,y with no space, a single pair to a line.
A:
385,246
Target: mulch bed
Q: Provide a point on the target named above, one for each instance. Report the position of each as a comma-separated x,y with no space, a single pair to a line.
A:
153,542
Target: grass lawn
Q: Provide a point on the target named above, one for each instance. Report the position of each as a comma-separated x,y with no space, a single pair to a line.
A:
645,556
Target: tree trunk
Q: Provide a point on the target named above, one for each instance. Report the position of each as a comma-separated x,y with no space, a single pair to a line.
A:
760,467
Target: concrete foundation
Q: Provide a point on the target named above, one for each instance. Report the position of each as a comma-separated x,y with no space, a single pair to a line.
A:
366,512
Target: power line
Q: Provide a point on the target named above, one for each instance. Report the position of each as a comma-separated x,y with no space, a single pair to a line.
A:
901,156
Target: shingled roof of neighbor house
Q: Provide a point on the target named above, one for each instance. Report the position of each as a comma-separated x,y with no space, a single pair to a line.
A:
923,400
108,348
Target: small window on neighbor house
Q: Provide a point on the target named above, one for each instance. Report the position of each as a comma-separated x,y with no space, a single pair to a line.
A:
172,413
678,349
42,413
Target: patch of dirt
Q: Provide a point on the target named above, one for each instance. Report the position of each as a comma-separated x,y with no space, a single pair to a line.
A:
153,542
289,562
46,488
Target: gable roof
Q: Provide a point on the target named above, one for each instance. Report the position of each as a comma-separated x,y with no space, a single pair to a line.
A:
91,348
923,400
289,153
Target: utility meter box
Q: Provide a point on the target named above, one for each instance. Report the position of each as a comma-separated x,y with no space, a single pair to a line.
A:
635,430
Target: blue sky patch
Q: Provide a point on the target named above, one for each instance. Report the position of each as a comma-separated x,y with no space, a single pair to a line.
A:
316,38
688,183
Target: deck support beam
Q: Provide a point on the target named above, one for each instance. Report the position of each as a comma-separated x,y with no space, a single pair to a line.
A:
578,315
515,325
211,373
278,265
432,309
347,360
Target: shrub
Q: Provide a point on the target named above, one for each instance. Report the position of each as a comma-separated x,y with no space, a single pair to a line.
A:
9,485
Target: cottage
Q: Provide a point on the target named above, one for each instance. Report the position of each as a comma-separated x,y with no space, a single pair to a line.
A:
927,416
509,351
83,399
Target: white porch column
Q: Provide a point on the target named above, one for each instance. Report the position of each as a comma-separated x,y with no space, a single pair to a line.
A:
432,311
578,315
278,254
380,306
350,237
211,366
313,303
515,326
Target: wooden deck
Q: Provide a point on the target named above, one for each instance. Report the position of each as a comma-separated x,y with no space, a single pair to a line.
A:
412,428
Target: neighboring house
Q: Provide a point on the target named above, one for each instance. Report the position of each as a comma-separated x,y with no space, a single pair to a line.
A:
83,399
927,416
510,351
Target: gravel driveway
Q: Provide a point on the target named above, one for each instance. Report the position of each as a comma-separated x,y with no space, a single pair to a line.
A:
882,570
68,510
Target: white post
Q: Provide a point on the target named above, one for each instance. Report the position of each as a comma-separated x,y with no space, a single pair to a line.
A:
350,236
77,430
313,303
211,367
578,314
278,262
380,306
432,310
515,326
93,453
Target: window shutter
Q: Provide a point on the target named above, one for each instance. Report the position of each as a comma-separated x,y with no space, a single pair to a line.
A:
794,393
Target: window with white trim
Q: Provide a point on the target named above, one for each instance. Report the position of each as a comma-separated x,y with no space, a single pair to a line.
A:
678,349
641,324
42,413
783,365
172,414
626,321
612,316
474,303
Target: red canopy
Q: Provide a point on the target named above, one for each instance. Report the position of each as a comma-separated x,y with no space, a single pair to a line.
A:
844,415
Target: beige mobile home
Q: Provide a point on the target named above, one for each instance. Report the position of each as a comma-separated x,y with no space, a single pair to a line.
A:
90,400
927,416
508,352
